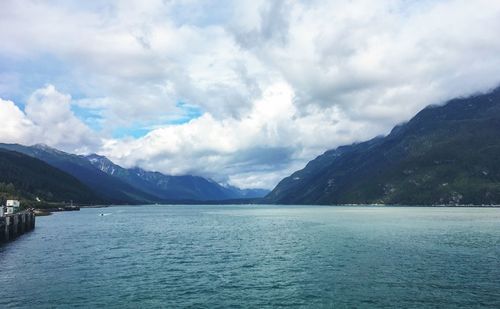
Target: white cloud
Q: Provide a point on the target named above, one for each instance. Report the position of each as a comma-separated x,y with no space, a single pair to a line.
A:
279,82
382,60
136,57
48,119
271,140
15,127
55,123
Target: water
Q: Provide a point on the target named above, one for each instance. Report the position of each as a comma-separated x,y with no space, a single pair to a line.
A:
256,257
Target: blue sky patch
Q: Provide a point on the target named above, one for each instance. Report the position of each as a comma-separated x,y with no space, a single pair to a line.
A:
187,112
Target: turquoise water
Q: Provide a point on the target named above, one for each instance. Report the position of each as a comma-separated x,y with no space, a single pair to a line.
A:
256,257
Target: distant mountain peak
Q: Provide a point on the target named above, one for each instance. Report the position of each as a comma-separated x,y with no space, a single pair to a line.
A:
49,149
102,163
96,156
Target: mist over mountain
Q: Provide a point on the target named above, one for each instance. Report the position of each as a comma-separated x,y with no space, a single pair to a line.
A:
444,155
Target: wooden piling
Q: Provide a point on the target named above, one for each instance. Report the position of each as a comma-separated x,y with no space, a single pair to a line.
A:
3,229
14,225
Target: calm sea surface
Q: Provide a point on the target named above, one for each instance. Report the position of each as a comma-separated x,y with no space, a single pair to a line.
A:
256,257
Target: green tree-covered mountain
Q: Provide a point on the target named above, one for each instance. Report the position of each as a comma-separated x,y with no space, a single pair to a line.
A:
24,177
108,188
446,154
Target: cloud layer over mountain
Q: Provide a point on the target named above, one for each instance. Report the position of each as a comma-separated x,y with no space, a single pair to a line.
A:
241,91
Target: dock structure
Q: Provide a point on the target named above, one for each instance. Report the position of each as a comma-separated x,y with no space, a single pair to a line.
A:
14,225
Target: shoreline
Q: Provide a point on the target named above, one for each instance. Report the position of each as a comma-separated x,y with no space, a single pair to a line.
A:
40,212
333,205
49,211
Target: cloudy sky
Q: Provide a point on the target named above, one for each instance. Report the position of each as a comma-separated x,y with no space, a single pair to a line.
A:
244,92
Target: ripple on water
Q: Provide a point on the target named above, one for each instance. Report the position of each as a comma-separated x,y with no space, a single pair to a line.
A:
248,256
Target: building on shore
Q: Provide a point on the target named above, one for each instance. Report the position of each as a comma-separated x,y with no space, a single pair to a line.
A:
13,206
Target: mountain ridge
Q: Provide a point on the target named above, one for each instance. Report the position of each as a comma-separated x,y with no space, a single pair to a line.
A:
444,155
118,185
183,187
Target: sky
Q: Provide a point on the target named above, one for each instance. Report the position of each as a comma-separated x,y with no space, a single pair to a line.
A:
243,92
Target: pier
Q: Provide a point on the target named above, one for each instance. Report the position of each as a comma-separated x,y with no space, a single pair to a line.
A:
14,225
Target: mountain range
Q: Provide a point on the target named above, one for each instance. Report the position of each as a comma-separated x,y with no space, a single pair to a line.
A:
112,184
446,154
167,187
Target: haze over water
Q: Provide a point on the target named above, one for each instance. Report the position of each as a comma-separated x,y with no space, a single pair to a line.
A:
255,257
